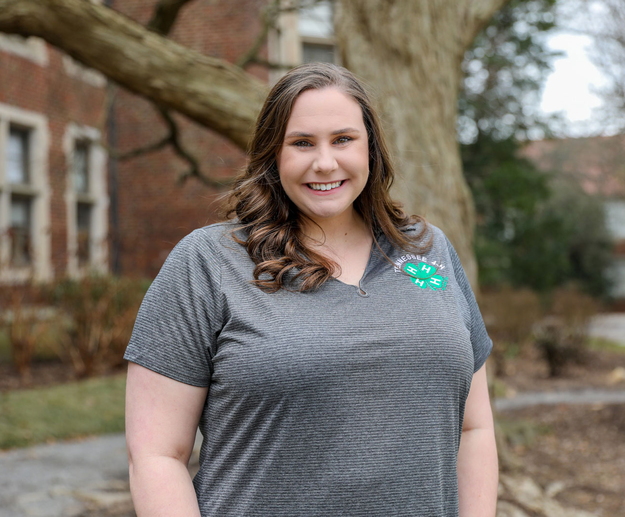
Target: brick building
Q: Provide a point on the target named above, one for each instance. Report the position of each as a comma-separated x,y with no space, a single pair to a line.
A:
68,207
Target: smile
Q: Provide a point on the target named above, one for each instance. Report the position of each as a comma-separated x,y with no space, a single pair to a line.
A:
325,186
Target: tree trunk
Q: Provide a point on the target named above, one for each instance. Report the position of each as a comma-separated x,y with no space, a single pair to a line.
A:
210,91
410,52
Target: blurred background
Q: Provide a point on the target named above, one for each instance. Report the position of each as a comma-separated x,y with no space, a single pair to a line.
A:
123,123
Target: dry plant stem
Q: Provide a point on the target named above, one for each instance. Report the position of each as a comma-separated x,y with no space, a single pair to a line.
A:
102,312
23,327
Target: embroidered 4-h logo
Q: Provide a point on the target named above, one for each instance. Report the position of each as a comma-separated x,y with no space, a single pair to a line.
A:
424,275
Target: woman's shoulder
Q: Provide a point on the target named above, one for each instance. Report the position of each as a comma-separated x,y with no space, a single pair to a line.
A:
210,239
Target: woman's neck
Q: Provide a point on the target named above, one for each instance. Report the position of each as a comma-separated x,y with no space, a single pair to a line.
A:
336,232
344,243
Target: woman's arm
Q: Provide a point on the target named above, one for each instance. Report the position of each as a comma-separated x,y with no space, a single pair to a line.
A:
161,422
477,457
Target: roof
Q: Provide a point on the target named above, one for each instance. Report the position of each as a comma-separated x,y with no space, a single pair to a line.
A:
597,162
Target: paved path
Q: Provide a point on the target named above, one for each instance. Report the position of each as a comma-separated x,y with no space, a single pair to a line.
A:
589,396
609,326
64,479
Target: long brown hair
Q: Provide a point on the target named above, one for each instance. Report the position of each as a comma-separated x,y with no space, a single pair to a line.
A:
272,223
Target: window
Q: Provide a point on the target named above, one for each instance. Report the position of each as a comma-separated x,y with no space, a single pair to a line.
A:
22,193
316,31
615,218
303,35
87,201
317,52
24,196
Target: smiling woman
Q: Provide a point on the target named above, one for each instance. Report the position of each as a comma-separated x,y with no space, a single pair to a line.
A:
329,347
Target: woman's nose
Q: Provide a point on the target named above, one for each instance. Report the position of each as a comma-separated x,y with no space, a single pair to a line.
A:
325,161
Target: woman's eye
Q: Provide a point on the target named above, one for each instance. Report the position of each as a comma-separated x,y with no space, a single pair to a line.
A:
302,143
343,139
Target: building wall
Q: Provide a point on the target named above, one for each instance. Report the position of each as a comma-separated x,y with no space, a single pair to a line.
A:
44,93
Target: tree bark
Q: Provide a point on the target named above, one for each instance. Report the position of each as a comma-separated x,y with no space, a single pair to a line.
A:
410,52
210,91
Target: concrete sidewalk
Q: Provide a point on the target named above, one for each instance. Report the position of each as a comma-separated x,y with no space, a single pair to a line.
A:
609,326
69,479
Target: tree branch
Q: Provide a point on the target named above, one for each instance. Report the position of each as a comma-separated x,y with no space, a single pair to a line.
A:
270,19
165,15
214,93
194,166
149,148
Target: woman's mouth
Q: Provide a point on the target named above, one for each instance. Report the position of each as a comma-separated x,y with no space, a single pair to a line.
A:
325,186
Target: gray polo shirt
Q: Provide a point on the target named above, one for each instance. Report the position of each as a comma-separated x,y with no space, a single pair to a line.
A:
337,402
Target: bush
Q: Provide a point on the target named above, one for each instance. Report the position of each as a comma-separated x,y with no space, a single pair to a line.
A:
562,337
557,324
509,315
23,320
100,311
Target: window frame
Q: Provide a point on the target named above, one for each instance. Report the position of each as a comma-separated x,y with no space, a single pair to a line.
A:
286,41
37,190
96,196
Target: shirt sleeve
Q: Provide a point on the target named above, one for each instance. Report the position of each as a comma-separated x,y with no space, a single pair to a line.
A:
180,316
481,342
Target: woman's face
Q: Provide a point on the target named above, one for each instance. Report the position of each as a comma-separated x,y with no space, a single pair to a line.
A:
324,158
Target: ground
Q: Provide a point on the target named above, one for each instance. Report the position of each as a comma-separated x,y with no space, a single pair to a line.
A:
577,452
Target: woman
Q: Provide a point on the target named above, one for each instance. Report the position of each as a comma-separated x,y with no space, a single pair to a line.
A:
329,347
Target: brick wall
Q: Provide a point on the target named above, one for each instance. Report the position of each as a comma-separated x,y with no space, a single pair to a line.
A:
51,90
155,210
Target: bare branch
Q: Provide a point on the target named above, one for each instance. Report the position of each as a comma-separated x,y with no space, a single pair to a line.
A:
270,19
134,153
165,15
271,64
194,170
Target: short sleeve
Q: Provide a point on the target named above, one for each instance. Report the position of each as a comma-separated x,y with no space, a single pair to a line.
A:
481,342
180,316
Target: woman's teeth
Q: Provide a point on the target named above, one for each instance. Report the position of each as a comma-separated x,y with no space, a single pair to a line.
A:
325,186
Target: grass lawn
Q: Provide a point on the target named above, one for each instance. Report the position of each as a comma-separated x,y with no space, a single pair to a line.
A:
89,407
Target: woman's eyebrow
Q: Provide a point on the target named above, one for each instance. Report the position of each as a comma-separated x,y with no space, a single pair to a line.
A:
301,134
345,130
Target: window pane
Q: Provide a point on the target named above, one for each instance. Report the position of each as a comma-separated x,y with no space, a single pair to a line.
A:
615,218
20,231
312,52
17,156
81,167
83,227
315,20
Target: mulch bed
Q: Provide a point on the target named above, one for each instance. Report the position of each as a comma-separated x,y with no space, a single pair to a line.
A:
576,451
